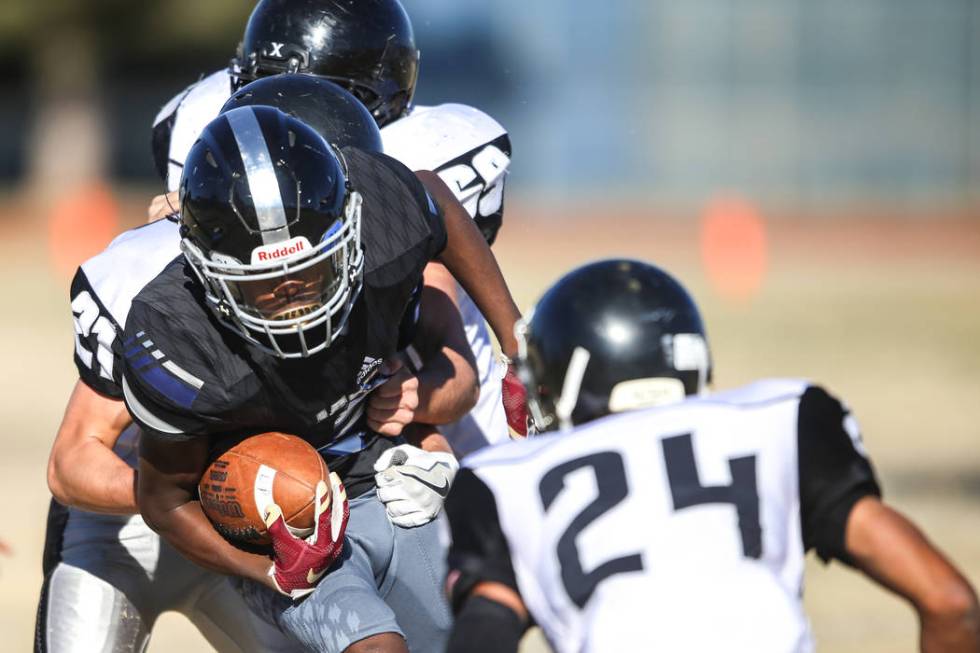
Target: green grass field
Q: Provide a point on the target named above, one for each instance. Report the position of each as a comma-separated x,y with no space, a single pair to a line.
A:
886,313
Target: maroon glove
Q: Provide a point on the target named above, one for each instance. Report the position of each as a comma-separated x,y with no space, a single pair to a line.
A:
515,403
298,564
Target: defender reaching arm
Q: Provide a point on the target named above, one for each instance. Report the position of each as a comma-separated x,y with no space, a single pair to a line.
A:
88,431
468,257
889,548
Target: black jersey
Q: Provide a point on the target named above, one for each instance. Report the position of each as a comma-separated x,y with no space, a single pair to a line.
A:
646,526
187,376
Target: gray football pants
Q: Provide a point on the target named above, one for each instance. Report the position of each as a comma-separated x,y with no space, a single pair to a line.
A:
117,576
389,580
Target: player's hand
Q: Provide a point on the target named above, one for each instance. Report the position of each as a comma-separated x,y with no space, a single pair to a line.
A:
299,564
515,403
391,407
163,205
413,483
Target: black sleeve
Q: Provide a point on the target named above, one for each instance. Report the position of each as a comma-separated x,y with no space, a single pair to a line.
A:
159,400
408,327
485,626
427,207
834,473
479,550
96,339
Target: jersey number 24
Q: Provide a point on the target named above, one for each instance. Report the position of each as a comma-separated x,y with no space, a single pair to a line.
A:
686,491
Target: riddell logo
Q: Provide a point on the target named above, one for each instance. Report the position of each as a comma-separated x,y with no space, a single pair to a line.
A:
277,251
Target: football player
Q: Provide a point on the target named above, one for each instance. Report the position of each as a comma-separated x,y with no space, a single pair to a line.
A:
663,515
369,48
300,267
109,577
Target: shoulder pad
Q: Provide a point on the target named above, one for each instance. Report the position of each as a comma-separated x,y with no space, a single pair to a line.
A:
132,260
199,106
430,137
171,372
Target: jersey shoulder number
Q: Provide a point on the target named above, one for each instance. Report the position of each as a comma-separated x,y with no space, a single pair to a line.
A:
95,336
467,148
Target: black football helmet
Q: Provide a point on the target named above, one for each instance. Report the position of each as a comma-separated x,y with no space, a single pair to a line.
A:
366,46
331,111
610,336
271,226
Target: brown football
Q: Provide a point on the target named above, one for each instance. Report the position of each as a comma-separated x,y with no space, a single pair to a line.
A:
239,485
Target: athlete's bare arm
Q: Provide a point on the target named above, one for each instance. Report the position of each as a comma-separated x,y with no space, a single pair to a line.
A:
447,387
168,476
893,552
448,382
83,471
468,257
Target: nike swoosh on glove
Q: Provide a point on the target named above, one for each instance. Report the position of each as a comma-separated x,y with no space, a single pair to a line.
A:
413,483
299,563
515,403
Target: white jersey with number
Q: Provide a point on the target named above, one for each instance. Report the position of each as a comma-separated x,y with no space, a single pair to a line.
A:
681,528
467,148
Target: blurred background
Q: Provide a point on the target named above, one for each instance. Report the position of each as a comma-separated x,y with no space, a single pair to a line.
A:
811,170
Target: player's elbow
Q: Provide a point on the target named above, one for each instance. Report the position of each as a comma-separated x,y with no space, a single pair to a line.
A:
153,509
56,485
58,474
953,600
153,516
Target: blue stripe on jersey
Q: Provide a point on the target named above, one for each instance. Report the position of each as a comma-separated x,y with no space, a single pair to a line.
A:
169,386
139,336
142,361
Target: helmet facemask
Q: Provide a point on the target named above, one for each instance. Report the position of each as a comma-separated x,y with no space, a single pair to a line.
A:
293,299
546,411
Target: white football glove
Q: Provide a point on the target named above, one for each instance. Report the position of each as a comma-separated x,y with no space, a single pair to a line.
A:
413,483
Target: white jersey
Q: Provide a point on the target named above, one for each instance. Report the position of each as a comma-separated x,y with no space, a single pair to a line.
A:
467,148
183,118
676,528
101,293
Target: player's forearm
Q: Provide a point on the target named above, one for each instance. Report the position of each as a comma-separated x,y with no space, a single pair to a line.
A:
890,549
83,470
448,388
469,259
954,632
949,616
90,476
188,530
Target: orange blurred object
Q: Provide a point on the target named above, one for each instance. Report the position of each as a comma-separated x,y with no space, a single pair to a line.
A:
80,225
734,248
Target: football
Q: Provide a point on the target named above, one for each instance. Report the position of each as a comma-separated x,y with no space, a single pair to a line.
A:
238,487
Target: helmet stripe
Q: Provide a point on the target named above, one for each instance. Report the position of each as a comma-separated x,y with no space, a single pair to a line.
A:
260,174
572,386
